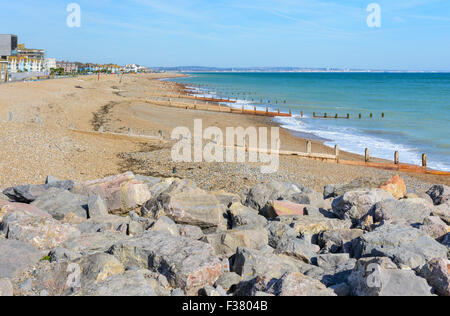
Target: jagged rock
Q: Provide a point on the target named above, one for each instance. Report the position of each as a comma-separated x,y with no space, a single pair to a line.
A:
262,193
186,263
407,212
336,241
105,223
165,224
249,263
297,248
396,186
355,205
240,215
226,243
97,207
13,207
337,268
29,193
404,245
228,280
6,288
122,193
435,227
378,277
16,257
279,232
60,202
41,232
191,232
273,209
297,284
440,194
437,273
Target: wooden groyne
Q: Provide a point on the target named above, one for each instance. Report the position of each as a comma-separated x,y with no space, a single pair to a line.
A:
395,166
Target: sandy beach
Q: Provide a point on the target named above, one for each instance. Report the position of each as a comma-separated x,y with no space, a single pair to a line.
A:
52,127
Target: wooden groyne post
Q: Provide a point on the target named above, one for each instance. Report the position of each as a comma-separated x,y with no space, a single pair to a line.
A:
367,155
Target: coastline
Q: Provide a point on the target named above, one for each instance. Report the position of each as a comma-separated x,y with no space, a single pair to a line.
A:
57,122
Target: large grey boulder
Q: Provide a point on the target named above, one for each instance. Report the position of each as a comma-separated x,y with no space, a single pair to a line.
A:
440,194
240,215
228,280
249,263
262,193
338,241
336,268
97,207
380,277
299,249
404,245
188,205
41,232
16,257
186,263
435,227
355,205
443,211
165,224
60,202
406,212
279,232
437,273
191,232
226,243
90,243
29,193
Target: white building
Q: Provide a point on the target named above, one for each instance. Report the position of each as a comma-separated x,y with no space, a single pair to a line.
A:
50,63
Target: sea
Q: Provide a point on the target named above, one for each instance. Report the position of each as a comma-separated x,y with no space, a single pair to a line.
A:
415,106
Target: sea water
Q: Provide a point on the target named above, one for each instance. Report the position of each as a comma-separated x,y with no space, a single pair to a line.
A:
416,108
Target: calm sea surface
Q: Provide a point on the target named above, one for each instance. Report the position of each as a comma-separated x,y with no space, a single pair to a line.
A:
416,107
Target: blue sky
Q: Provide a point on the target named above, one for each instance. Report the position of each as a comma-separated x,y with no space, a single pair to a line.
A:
415,34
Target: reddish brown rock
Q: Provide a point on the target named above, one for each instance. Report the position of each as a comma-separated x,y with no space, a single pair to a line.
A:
396,186
284,208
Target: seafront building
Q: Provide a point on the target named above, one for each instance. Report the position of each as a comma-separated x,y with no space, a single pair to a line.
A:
17,62
68,67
